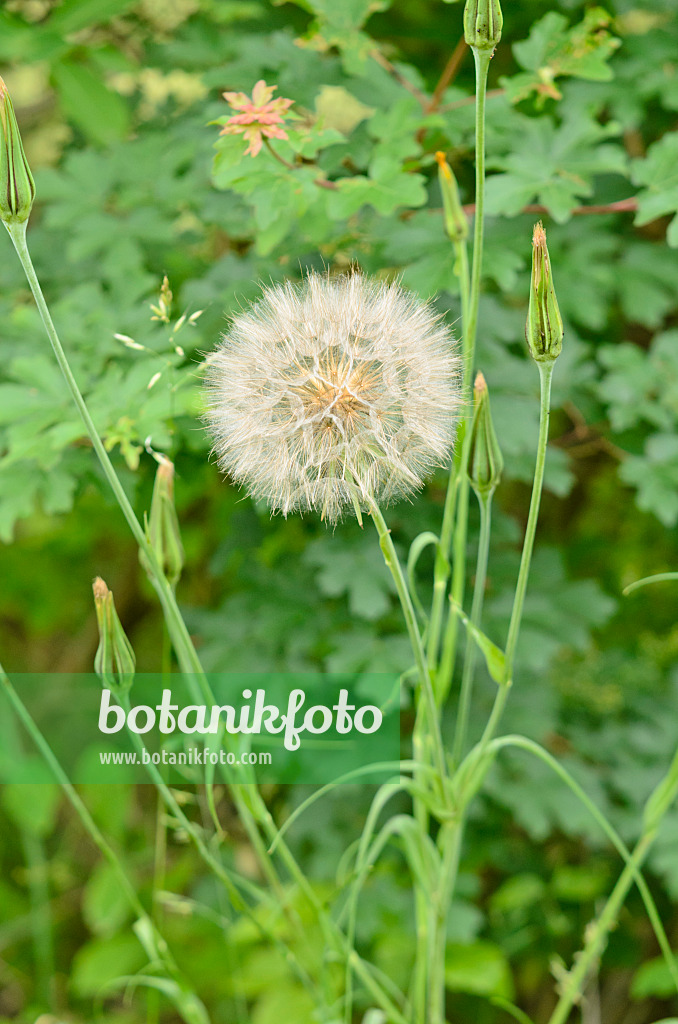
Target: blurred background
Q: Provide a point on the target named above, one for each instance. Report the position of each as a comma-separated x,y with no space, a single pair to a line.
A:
115,102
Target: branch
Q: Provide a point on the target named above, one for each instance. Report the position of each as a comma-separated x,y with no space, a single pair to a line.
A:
621,206
448,75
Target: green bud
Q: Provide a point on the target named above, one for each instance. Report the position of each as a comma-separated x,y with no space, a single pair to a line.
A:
456,223
485,461
17,188
114,661
162,528
544,327
483,22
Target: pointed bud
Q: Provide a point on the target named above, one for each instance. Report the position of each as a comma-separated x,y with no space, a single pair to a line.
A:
544,327
456,223
17,188
485,462
162,528
114,661
483,22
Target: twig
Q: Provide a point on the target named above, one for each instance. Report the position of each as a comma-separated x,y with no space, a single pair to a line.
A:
620,206
392,70
448,75
320,182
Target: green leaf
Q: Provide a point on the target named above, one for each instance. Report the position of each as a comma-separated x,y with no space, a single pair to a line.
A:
658,172
101,114
495,659
655,475
74,15
552,51
98,963
553,165
105,907
480,969
653,978
36,815
354,568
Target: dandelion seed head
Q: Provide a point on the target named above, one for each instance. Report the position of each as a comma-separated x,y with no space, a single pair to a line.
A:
332,393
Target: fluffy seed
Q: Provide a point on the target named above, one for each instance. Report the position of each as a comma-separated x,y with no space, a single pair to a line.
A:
333,393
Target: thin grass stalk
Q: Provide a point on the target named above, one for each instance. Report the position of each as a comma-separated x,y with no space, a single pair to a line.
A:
446,664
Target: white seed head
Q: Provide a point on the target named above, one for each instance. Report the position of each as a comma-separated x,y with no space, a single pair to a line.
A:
333,393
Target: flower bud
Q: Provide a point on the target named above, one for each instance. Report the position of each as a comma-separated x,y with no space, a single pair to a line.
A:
17,188
483,22
456,223
162,528
485,462
114,661
544,327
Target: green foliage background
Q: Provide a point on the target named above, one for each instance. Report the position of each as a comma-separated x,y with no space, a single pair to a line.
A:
117,103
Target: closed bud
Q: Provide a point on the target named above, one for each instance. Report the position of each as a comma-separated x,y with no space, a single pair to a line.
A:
544,327
485,462
456,223
483,22
114,661
162,527
17,188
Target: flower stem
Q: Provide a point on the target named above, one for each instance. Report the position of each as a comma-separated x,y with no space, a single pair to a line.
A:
471,652
545,377
446,666
393,563
441,569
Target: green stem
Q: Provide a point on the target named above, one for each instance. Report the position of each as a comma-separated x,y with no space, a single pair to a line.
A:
545,377
449,841
597,936
441,569
393,563
446,667
471,652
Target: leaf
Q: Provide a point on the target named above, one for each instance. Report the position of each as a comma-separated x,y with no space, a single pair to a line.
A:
553,165
355,569
659,173
36,815
653,978
480,969
552,51
340,110
74,15
101,961
495,659
101,114
655,475
105,907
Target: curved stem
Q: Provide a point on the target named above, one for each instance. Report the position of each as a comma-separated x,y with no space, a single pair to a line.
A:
446,667
471,653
